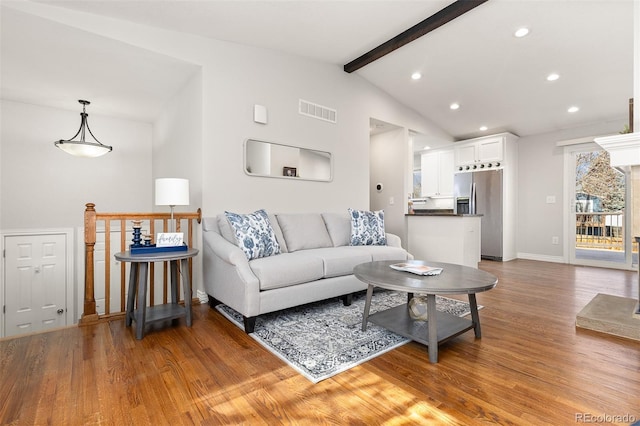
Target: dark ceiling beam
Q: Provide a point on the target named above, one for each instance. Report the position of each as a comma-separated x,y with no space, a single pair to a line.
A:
436,20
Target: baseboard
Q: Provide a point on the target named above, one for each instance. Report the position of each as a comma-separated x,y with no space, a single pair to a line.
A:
202,297
542,257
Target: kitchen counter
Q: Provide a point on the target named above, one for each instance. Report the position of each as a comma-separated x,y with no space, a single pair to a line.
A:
445,237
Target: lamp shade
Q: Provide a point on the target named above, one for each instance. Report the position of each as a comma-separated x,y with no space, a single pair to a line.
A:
172,192
83,149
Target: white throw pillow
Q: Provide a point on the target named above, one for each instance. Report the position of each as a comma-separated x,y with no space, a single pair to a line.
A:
367,228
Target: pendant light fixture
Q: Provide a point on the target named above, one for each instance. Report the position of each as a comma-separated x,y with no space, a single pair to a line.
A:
82,147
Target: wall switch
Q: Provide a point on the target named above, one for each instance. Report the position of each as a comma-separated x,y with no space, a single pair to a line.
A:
551,199
555,240
260,114
392,201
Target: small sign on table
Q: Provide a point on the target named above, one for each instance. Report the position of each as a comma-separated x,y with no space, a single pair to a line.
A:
165,242
169,239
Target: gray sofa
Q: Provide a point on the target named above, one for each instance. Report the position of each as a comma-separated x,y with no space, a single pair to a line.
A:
316,263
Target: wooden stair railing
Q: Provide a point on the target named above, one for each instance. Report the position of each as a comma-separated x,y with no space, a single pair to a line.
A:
91,218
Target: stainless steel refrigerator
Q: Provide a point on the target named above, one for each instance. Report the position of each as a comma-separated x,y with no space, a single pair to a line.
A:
481,193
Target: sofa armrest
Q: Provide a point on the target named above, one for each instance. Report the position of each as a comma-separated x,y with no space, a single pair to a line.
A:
393,240
228,276
225,250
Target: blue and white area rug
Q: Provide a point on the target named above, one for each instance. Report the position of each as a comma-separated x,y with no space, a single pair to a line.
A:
322,339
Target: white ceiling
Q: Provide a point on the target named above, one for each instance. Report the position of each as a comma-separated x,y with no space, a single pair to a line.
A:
499,80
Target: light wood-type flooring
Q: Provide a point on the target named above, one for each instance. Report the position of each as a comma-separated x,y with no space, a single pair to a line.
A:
531,367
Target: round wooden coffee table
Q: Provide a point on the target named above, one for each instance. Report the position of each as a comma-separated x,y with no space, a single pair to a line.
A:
454,279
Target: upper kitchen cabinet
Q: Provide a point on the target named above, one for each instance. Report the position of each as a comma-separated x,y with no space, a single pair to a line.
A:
482,153
437,173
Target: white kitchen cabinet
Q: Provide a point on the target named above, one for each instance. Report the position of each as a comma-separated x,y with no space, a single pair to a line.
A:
491,150
482,153
466,154
437,173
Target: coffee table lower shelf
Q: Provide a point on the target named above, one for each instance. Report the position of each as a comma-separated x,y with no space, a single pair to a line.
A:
398,320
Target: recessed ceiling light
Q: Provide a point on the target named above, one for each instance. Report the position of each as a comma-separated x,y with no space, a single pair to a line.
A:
521,32
416,76
454,106
426,147
483,128
553,77
573,109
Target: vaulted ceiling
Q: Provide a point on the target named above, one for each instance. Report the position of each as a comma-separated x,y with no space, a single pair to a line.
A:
498,80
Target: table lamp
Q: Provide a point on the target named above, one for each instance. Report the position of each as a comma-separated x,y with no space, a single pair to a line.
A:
172,192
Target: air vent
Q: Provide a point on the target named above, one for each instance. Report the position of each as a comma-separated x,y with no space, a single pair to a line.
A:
318,111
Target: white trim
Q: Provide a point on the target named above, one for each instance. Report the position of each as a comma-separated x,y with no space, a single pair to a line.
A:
542,257
624,149
578,141
603,264
70,314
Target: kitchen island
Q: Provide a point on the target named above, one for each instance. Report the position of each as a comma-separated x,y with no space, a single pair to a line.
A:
444,237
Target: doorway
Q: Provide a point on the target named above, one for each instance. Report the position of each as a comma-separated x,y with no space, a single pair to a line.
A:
599,231
389,173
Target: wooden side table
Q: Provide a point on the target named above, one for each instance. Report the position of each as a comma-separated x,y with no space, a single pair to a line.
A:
139,270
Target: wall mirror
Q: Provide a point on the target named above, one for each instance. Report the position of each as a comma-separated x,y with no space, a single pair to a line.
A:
270,159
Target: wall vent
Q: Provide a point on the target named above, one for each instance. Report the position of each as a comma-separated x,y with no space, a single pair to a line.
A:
318,111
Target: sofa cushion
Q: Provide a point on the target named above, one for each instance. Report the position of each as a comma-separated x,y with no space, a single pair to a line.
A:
339,228
367,228
304,231
287,269
254,234
339,261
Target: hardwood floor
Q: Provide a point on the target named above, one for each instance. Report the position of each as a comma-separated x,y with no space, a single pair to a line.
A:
532,366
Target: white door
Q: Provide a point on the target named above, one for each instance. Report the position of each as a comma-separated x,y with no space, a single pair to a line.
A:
35,283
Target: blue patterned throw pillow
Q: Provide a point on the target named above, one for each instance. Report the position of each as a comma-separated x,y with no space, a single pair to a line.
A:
367,228
254,234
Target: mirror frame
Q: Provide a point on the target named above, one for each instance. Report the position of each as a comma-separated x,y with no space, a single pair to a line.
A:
248,173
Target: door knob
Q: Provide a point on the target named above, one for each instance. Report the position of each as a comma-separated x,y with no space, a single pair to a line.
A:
60,311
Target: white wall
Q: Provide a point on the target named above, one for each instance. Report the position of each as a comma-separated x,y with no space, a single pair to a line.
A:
541,173
278,81
177,135
389,151
44,187
234,78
